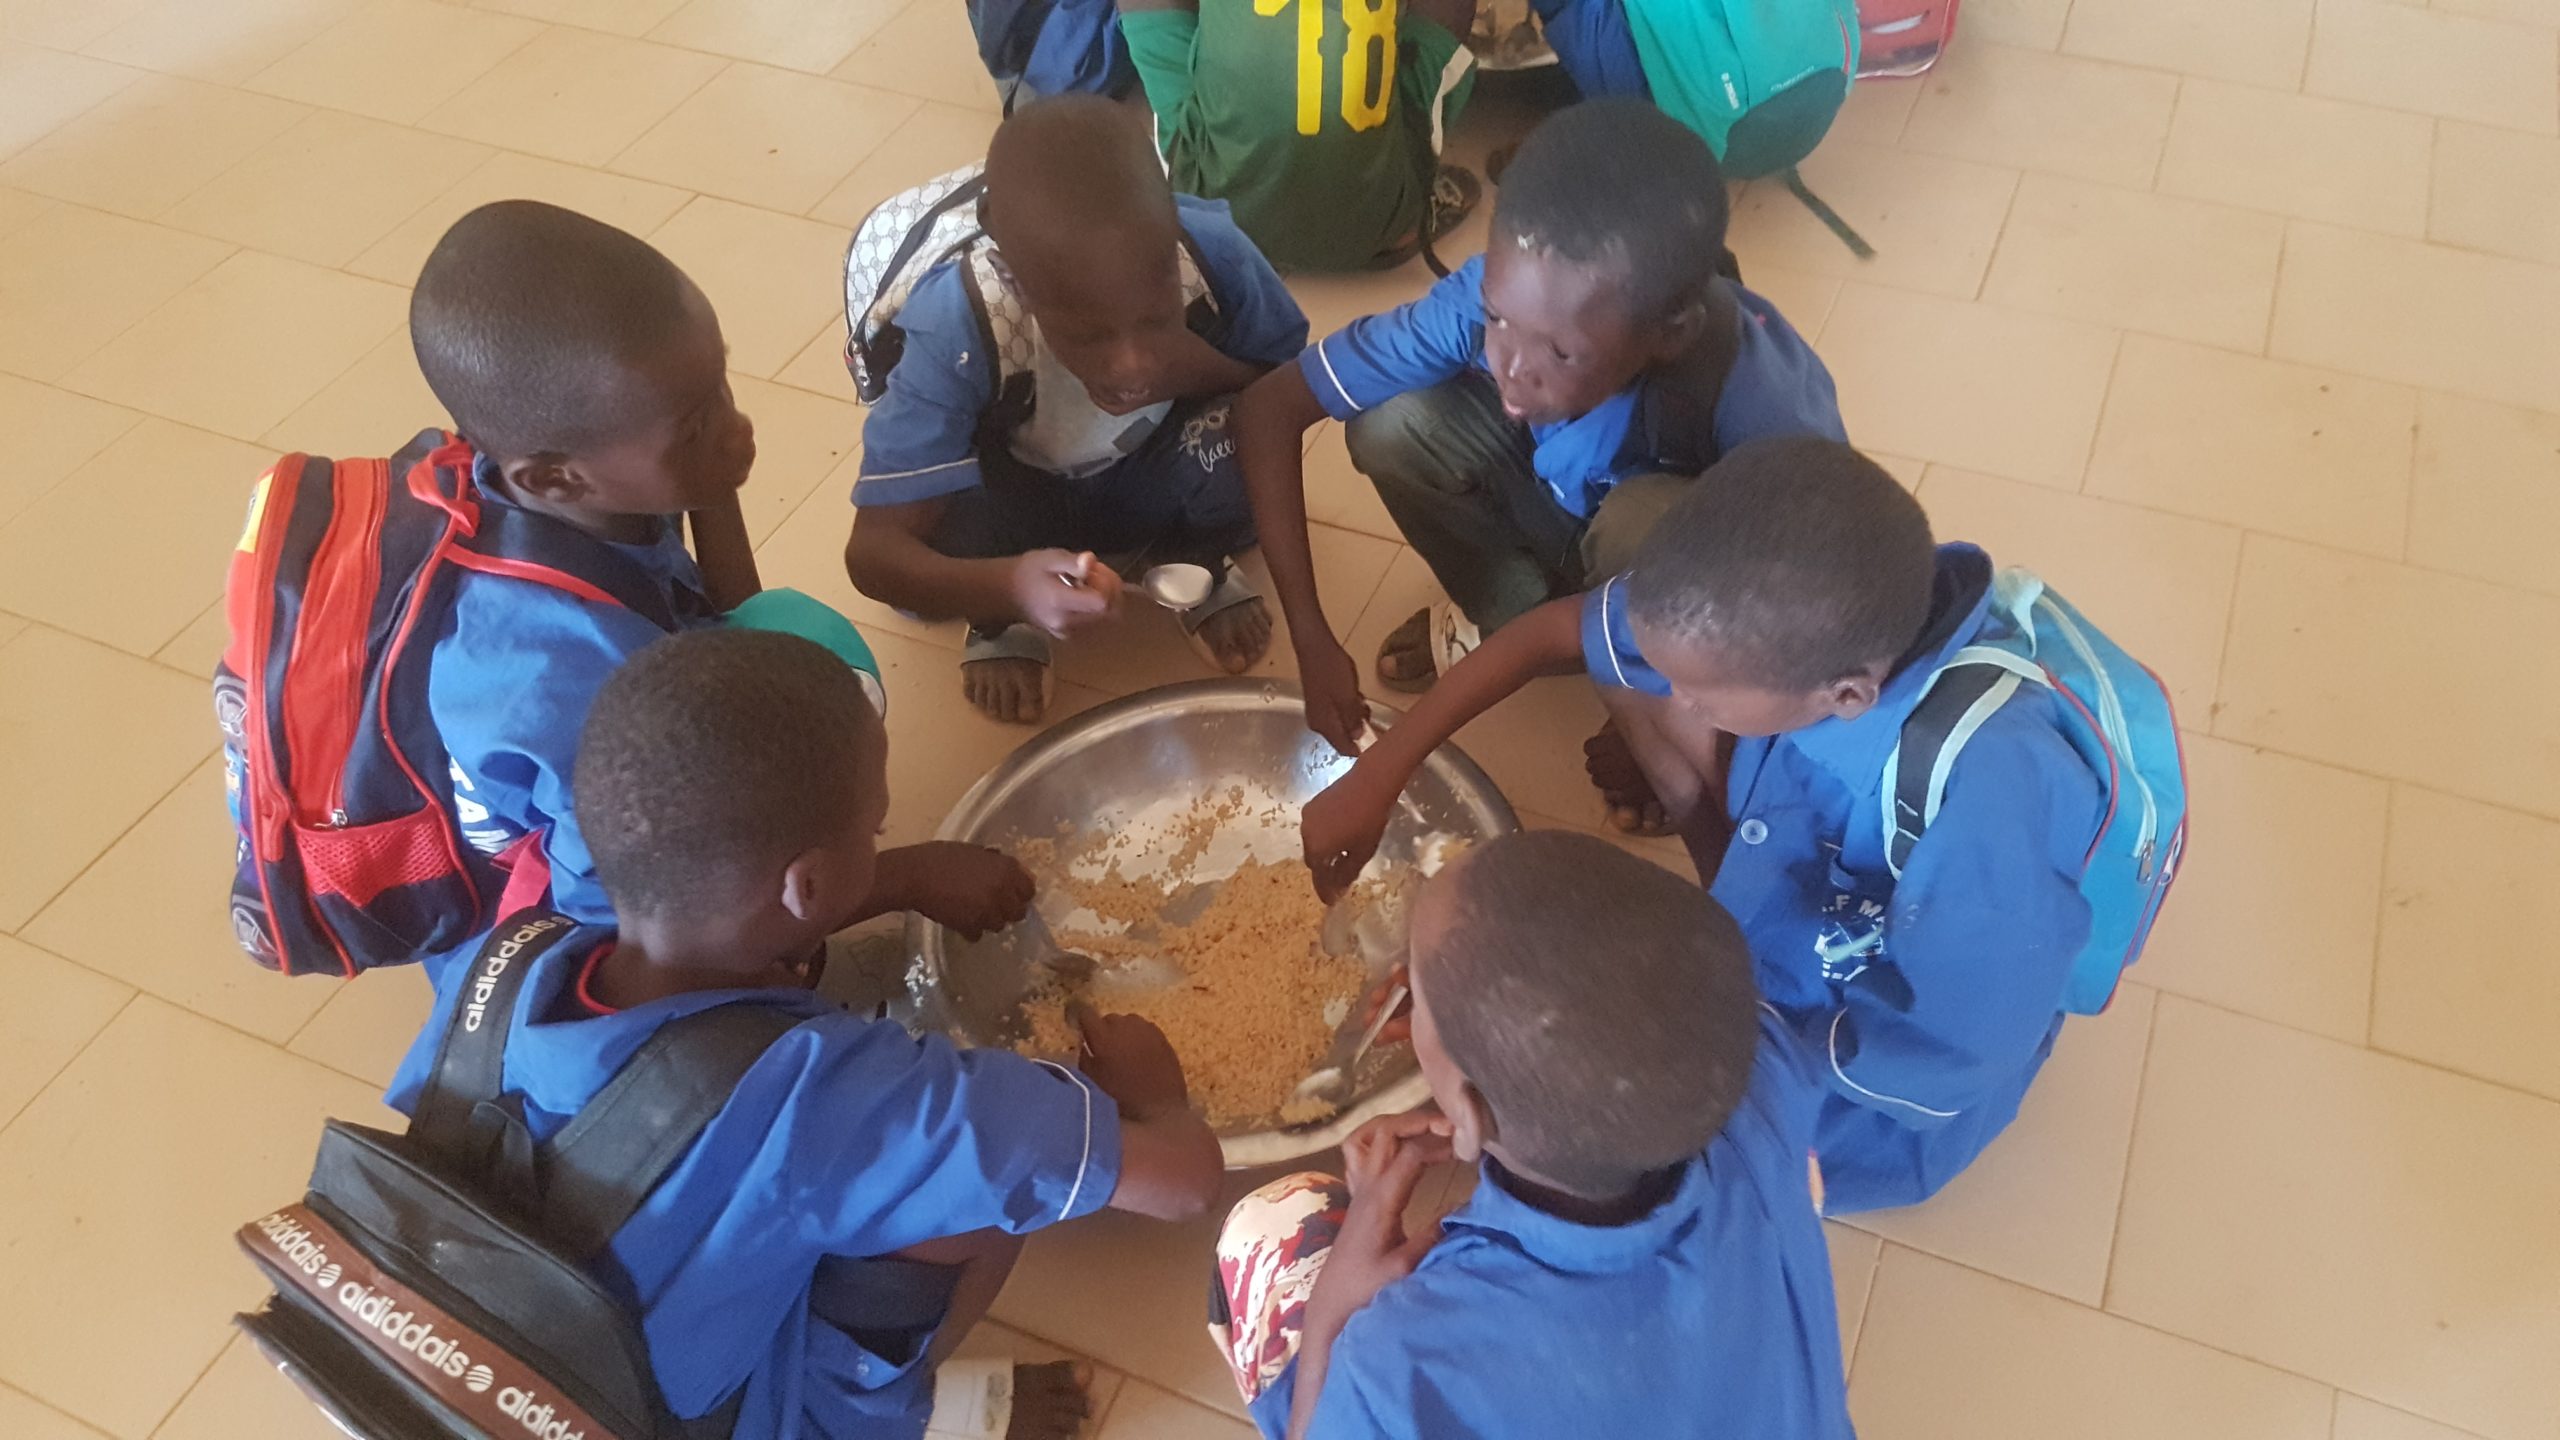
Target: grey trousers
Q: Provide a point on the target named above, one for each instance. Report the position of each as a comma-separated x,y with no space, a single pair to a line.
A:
1455,473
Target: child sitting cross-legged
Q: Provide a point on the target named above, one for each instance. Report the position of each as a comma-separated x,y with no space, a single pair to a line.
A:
839,1225
1641,1256
1762,655
994,484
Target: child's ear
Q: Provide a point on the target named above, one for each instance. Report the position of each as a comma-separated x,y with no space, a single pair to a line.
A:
1471,1126
804,887
548,476
1853,695
1697,314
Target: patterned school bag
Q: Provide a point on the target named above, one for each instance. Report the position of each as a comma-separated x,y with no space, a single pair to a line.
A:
908,236
2116,714
350,852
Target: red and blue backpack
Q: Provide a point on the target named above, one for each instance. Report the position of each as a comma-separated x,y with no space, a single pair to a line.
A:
349,852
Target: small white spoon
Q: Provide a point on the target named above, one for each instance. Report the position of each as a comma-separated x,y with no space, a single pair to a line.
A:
1178,587
1332,1084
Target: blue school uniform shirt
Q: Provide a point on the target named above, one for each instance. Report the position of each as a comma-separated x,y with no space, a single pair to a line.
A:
514,671
1657,424
1713,1315
1931,1001
921,440
848,1138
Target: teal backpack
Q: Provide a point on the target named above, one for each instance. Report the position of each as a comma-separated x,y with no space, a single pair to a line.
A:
2115,713
1762,80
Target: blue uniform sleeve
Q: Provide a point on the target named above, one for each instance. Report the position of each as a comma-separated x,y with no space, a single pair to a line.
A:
1371,1382
1979,935
891,1140
1412,347
920,441
1264,325
510,686
1610,655
1778,385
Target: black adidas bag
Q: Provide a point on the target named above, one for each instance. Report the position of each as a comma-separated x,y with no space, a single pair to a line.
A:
435,1283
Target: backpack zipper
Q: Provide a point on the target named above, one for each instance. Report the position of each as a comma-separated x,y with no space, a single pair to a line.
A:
271,804
342,582
2111,722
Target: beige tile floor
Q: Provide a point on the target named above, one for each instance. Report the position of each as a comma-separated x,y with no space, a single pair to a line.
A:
2241,318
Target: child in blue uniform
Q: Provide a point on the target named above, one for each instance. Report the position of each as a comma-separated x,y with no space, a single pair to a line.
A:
1527,421
856,1205
1071,404
586,375
1761,656
587,379
1641,1256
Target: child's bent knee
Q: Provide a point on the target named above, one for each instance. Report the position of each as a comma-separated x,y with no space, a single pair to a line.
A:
1393,444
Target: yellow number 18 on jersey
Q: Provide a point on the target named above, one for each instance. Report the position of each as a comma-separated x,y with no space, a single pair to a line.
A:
1367,79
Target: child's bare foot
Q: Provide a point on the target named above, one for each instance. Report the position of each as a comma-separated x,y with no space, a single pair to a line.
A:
1633,807
1049,1401
1006,675
1237,637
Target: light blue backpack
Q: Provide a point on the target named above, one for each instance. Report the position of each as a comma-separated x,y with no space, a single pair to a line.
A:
2116,714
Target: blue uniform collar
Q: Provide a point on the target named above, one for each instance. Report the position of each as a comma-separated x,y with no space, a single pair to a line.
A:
1560,1244
1855,750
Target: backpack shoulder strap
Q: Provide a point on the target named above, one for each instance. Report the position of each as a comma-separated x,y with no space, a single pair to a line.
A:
1961,697
599,1168
527,546
919,233
515,542
1198,288
470,1063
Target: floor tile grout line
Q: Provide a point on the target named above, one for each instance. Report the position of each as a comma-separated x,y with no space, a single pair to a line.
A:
54,897
606,165
2275,292
139,416
2506,1087
1866,1311
2132,1136
2230,628
2381,912
2135,1321
1990,257
2160,154
41,1403
138,71
179,1403
11,1118
2106,394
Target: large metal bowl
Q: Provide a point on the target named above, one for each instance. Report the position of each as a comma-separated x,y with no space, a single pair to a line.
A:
1134,765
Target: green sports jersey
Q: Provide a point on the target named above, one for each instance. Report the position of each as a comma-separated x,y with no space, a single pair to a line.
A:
1318,121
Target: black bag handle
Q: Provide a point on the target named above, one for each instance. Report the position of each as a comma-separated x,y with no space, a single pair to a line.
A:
1925,733
599,1168
471,1058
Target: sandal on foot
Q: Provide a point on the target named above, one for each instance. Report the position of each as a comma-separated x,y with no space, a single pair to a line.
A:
1447,635
1017,641
1233,589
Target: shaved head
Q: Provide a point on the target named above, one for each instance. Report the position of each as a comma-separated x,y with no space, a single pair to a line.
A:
1074,180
